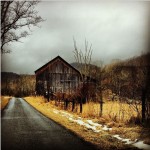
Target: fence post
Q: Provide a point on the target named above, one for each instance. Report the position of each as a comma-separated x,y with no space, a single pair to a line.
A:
80,105
73,104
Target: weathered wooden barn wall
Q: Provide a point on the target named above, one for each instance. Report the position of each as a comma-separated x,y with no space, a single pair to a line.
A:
57,76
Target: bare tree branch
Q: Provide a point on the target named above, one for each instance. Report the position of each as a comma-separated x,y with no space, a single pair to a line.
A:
16,15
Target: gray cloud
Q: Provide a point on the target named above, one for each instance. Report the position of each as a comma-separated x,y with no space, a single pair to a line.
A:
115,29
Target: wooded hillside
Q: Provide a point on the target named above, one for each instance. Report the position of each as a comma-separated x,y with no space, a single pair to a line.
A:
17,85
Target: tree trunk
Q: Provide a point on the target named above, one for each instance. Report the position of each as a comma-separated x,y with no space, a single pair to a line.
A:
143,98
48,96
81,105
101,105
73,104
66,104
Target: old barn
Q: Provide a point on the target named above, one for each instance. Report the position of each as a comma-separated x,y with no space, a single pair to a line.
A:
57,76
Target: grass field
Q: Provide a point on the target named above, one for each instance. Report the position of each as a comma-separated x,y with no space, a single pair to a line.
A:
91,111
4,101
119,112
113,111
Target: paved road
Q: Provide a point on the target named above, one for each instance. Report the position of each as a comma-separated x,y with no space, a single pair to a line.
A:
24,128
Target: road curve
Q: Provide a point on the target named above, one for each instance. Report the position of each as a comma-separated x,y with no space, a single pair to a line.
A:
24,128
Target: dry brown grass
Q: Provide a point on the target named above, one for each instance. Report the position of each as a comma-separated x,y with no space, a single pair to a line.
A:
102,140
121,116
136,132
112,111
4,101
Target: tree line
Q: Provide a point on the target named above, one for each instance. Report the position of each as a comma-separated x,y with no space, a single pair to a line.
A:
17,85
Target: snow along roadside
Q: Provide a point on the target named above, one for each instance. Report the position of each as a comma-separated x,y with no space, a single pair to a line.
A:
89,124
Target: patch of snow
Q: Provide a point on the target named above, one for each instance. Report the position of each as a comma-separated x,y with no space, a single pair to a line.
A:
105,128
64,114
88,126
141,145
91,125
94,124
117,137
71,119
97,131
80,122
127,141
136,143
56,111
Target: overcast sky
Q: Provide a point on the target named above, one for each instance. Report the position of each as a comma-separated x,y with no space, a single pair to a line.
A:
116,30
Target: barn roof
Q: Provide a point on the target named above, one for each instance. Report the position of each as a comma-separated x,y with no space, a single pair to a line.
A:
58,57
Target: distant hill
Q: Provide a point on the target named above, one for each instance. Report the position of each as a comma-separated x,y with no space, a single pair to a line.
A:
10,75
75,65
143,60
137,61
78,65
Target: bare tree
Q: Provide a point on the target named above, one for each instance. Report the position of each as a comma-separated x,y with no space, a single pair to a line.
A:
16,16
130,81
100,86
83,58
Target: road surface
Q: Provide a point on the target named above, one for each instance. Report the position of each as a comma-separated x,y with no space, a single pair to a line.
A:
24,128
